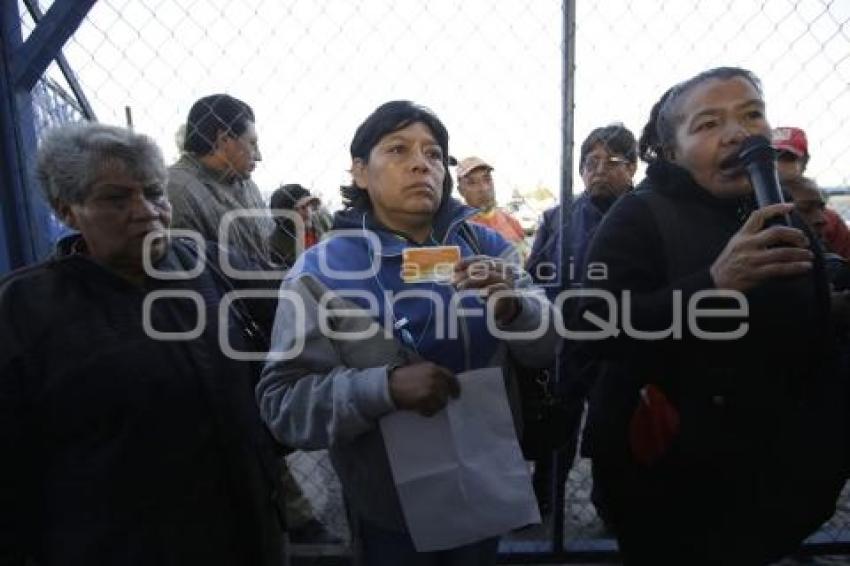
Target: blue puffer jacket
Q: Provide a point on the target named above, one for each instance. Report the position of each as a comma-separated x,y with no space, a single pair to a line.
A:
333,388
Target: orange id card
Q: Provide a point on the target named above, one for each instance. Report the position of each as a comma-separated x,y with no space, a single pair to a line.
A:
436,264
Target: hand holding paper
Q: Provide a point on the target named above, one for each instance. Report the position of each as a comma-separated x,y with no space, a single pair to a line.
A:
423,387
460,475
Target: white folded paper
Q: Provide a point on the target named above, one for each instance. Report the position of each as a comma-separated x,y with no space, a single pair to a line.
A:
460,474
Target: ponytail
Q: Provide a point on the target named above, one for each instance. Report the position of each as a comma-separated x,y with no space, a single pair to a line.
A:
650,144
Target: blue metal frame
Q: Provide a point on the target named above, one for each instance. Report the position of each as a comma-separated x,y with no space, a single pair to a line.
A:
24,217
46,40
80,96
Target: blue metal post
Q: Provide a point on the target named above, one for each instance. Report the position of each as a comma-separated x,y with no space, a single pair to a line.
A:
16,223
83,101
24,218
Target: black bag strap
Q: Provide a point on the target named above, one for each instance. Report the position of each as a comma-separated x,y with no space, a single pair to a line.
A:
253,331
667,218
554,237
268,450
467,232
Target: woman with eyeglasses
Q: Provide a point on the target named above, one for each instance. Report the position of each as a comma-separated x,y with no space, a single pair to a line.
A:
335,387
607,163
716,425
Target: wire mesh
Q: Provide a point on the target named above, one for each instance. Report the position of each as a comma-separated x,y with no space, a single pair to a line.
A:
53,106
629,53
491,69
313,70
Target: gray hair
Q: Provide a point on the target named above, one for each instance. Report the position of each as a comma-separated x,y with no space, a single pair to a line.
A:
71,158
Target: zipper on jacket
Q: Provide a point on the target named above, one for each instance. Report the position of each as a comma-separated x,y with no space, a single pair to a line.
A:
464,330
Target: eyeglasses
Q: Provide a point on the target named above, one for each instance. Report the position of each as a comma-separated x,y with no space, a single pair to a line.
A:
610,162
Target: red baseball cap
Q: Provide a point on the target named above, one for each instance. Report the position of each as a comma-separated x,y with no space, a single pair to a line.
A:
792,140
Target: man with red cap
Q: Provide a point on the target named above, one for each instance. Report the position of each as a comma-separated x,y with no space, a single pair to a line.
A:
793,148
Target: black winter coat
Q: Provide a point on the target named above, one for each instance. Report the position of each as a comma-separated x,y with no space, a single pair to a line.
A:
761,437
123,449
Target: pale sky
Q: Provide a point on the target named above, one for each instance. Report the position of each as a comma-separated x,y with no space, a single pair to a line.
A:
491,70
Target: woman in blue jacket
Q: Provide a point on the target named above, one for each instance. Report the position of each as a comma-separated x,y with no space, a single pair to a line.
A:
331,392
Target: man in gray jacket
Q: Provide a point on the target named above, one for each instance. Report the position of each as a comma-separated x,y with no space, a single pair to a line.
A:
211,180
213,177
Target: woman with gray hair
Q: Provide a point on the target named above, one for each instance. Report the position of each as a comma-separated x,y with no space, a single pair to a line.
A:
130,437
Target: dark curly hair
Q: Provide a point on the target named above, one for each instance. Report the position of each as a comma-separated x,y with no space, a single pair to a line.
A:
386,119
659,134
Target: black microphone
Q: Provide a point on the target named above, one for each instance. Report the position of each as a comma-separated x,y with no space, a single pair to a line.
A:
759,159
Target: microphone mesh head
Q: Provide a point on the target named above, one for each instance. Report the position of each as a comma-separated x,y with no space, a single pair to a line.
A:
756,148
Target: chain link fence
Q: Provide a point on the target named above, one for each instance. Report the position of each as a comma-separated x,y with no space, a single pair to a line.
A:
313,70
54,106
629,53
491,69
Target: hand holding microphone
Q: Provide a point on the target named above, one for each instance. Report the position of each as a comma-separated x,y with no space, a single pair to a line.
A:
766,246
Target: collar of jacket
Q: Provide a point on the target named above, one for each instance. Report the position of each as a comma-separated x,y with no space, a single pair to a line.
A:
71,249
603,203
191,161
595,205
678,184
447,220
69,245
